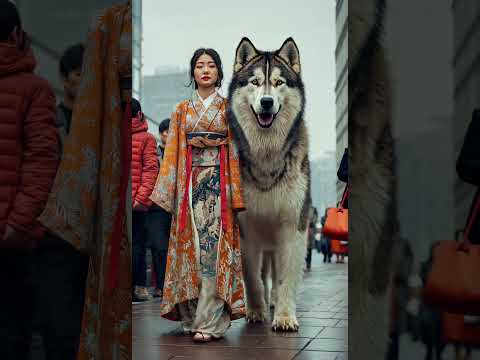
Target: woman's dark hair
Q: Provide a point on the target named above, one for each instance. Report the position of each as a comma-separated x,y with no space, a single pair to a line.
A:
216,58
9,19
136,107
164,125
72,59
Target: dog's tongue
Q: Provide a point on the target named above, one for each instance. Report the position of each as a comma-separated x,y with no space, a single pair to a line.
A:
265,119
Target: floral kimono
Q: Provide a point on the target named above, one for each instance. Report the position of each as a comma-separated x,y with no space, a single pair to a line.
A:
199,183
89,205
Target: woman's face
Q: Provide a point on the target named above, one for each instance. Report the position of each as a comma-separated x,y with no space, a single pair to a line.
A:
205,72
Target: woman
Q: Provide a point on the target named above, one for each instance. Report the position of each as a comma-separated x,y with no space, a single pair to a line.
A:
340,248
199,184
89,206
468,170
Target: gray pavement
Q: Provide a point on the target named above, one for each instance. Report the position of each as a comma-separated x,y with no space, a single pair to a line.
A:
322,312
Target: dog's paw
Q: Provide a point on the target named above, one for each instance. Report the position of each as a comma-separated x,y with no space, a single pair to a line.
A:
256,316
285,323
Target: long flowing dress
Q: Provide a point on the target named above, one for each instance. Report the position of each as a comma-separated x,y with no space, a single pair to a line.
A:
89,204
199,183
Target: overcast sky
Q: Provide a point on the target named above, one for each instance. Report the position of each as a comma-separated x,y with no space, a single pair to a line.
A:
173,29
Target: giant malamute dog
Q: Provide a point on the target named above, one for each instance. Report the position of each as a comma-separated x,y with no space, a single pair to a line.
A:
373,224
266,104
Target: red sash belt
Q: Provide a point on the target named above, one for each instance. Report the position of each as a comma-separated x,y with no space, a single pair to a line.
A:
125,156
223,188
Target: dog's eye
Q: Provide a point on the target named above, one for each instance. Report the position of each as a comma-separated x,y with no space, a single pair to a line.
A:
255,82
279,82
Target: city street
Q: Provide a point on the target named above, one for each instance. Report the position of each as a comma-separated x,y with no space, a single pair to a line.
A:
322,311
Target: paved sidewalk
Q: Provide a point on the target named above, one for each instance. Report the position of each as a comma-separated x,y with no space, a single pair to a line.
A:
322,312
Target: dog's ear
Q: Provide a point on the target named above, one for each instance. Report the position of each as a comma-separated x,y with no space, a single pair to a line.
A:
289,53
245,52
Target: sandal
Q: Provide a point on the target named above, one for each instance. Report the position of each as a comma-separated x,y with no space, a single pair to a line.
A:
201,337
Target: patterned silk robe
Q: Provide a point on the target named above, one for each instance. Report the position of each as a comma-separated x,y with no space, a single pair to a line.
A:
183,271
87,191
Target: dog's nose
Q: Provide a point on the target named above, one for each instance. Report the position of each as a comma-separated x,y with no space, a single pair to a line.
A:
266,102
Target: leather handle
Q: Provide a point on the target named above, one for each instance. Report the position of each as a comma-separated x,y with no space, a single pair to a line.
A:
465,244
345,193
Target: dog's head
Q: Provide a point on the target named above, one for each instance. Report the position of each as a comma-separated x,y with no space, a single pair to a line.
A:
266,93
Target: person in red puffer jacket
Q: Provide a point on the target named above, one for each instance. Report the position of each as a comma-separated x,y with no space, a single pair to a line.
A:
29,153
144,175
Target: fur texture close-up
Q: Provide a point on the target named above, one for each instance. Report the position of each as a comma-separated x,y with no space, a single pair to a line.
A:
266,107
374,226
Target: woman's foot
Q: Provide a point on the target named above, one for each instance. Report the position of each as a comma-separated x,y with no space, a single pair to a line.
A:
201,337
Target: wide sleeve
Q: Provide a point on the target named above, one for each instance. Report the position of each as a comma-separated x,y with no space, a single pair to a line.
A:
40,162
236,189
164,192
468,162
71,210
149,171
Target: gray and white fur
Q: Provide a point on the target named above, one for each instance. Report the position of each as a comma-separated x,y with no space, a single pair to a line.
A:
265,114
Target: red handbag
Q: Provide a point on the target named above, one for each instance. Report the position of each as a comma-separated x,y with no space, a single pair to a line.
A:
452,285
454,329
336,223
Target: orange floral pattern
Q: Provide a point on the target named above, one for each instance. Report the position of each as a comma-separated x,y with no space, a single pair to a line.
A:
86,190
182,278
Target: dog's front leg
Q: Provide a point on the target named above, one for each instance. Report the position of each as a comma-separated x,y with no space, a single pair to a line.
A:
289,258
252,262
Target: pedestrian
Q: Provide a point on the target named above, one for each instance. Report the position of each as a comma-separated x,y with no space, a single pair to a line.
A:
60,269
90,205
468,170
342,175
338,247
399,298
30,156
312,228
199,184
325,242
158,224
70,72
144,174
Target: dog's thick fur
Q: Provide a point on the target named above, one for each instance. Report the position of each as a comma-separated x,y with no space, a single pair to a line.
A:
275,175
372,203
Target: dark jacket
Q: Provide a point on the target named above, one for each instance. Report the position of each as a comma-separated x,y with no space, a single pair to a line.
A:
468,169
342,174
29,141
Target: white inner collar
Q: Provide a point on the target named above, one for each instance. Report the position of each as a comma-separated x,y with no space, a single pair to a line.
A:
206,102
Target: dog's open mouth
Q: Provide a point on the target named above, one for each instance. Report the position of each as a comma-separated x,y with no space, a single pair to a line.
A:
265,119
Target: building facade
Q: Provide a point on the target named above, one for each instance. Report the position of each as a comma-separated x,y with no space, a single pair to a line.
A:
341,87
68,21
466,67
137,38
161,93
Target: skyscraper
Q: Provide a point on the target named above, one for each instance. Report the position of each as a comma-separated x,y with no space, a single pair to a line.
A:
341,87
137,38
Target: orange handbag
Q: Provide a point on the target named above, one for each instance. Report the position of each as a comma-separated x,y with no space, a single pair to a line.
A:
336,223
452,285
454,329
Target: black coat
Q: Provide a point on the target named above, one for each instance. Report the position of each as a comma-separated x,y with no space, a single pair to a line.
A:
468,169
342,174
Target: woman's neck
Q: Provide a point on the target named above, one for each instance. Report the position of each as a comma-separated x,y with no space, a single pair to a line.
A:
205,92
